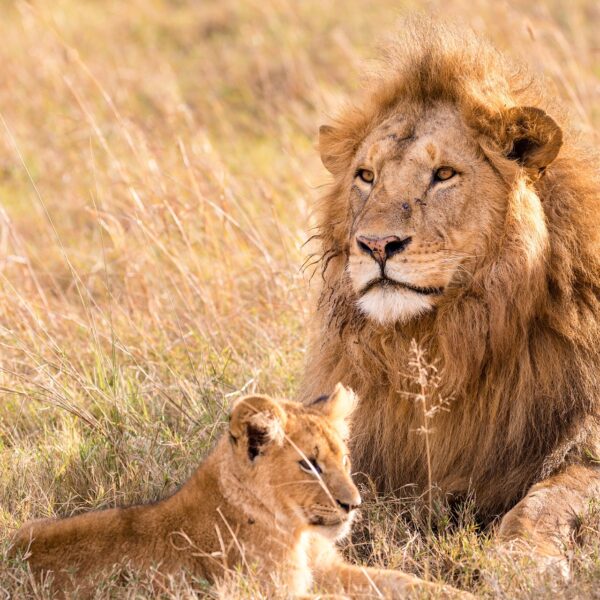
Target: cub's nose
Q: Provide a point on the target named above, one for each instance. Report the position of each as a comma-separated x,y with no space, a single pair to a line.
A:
348,506
382,248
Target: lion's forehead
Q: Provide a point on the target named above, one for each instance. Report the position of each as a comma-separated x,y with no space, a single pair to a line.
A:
390,138
432,135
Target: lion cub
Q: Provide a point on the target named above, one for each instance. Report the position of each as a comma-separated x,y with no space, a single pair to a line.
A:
275,493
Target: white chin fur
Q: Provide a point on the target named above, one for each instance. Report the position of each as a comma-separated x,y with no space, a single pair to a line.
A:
391,305
336,533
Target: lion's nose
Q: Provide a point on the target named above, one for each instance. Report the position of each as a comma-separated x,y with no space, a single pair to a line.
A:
382,248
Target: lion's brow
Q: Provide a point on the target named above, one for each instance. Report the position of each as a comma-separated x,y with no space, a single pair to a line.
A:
396,138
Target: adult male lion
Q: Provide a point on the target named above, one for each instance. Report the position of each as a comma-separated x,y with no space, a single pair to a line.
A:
459,218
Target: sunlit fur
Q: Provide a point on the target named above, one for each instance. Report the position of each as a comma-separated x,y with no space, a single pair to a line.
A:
250,503
516,332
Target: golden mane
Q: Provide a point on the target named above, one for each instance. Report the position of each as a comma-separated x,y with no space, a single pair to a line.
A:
519,347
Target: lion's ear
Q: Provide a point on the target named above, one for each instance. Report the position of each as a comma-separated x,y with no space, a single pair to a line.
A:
256,422
326,146
338,145
533,138
338,407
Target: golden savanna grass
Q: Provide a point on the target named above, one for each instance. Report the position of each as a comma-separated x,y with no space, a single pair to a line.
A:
157,173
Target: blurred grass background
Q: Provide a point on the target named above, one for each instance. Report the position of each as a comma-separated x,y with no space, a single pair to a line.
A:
157,170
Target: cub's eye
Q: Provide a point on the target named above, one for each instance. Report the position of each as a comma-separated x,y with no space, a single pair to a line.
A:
365,175
444,173
310,466
346,462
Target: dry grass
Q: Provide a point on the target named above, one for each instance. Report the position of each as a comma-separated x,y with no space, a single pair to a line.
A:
156,175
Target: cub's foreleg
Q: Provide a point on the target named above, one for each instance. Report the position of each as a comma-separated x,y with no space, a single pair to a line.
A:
333,574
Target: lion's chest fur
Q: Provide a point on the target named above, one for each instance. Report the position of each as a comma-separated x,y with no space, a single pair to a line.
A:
416,439
488,439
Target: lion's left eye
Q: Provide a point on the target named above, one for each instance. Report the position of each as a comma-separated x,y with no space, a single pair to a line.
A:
310,466
444,173
365,175
346,462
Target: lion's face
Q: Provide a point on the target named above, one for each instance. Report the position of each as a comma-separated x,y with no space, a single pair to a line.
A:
296,459
426,203
422,197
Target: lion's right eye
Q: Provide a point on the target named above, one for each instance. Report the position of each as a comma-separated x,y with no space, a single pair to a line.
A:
310,466
444,173
365,175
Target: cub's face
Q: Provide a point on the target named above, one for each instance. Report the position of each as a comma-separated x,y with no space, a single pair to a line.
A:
422,198
312,474
296,459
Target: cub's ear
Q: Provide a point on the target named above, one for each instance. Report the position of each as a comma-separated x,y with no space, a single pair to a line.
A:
338,407
532,137
256,422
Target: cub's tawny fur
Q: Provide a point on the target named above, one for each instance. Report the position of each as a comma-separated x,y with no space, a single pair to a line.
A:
463,216
275,493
